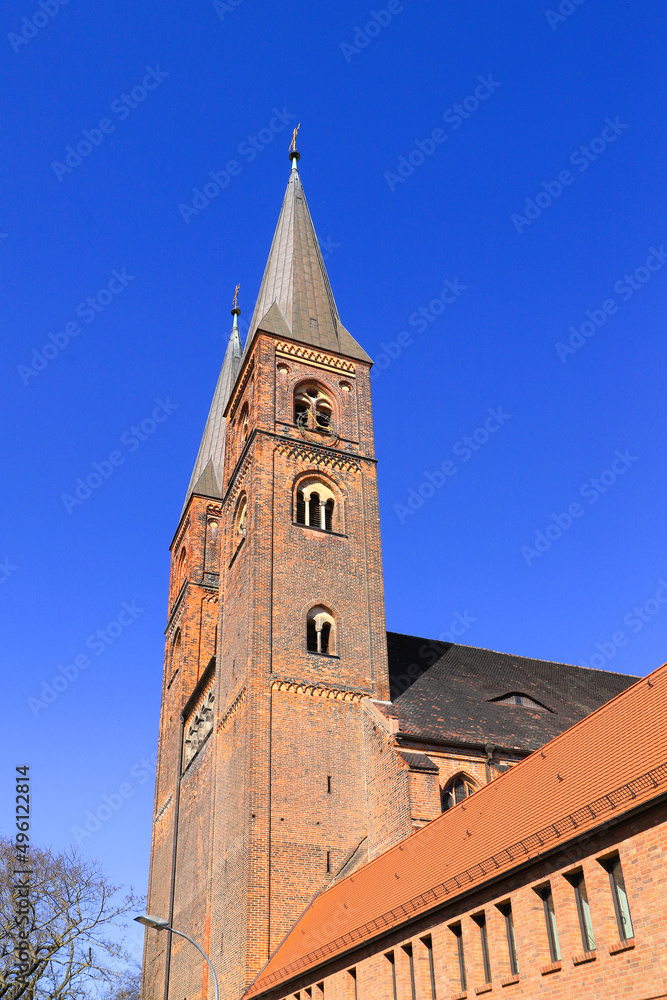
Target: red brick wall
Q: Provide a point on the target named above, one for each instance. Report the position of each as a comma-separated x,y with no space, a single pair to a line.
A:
638,971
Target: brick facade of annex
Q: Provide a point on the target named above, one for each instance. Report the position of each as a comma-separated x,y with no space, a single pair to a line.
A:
615,969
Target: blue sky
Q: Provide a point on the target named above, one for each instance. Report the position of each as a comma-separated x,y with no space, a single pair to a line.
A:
482,177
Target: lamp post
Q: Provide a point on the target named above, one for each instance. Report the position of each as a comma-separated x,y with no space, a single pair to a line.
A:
160,924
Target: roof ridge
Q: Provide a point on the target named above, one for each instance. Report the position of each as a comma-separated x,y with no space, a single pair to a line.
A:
517,656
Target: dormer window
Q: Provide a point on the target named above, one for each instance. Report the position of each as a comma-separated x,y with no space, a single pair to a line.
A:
313,410
516,698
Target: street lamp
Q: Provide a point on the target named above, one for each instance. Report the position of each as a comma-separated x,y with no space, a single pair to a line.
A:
160,924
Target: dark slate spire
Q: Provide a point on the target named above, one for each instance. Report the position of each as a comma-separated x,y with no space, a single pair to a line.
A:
295,298
207,475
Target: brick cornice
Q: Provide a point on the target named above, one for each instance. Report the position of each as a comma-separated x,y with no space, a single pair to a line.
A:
314,357
317,690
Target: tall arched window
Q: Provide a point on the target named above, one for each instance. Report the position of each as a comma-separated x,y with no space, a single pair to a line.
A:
456,791
313,408
180,568
176,650
321,632
314,505
241,519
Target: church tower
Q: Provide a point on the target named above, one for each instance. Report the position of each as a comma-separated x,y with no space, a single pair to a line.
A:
275,634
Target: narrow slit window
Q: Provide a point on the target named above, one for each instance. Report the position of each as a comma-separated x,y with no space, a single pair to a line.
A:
390,958
620,897
457,931
583,910
328,861
329,783
407,948
506,910
428,944
480,920
550,920
353,974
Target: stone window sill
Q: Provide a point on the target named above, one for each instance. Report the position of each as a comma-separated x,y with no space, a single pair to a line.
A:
622,946
460,996
510,980
585,956
551,967
238,549
325,656
484,988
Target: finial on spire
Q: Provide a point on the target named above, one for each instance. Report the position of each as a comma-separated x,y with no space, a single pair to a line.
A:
294,155
236,312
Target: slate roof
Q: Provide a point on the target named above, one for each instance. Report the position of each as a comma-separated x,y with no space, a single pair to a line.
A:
296,280
610,763
208,473
441,691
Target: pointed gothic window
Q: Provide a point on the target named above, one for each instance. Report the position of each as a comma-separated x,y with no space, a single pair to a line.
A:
314,505
320,632
313,410
244,423
456,791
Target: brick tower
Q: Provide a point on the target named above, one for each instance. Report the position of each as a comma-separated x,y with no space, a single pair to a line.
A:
275,634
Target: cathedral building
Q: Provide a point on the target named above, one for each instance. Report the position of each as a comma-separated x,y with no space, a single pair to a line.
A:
350,813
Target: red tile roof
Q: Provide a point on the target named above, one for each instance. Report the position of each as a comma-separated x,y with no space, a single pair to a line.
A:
609,763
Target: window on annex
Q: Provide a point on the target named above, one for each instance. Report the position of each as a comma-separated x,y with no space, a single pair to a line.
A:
576,880
544,892
619,894
313,409
506,910
456,791
320,631
314,505
457,931
480,920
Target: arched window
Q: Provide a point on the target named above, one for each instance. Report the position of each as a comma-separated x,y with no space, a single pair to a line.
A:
180,568
315,504
244,423
176,650
312,408
320,632
456,791
241,519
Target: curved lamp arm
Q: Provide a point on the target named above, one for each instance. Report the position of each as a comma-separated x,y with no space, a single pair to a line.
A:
160,924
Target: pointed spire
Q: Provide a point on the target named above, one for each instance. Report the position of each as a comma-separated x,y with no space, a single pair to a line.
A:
295,294
208,473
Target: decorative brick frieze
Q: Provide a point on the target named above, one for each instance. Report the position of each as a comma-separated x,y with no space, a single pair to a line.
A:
317,690
317,359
